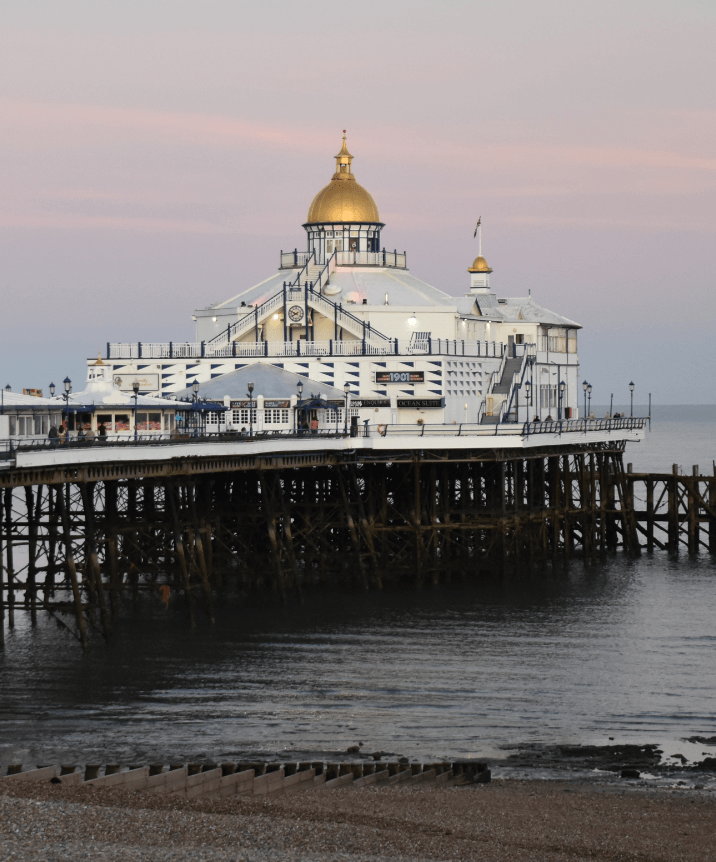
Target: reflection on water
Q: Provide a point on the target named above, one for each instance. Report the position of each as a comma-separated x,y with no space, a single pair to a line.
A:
623,649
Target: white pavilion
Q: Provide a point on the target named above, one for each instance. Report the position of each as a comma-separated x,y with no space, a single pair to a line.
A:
347,314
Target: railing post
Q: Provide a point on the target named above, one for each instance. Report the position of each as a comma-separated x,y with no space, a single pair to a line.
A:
203,348
298,347
171,349
396,340
330,347
430,345
108,350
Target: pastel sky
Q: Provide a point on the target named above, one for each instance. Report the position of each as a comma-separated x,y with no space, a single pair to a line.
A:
156,156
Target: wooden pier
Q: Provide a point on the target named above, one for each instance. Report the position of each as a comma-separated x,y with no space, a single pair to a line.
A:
75,540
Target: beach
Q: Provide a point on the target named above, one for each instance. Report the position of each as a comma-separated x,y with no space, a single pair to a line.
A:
505,821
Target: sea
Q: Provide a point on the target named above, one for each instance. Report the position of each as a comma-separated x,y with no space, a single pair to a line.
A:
619,651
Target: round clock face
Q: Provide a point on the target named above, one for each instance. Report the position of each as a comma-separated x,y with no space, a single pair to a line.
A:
295,312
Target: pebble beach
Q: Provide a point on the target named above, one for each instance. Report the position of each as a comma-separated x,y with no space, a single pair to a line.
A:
505,821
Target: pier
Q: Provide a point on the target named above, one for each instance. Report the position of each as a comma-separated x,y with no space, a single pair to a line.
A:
81,527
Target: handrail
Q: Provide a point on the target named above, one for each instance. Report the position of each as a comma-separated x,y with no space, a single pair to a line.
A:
521,374
375,343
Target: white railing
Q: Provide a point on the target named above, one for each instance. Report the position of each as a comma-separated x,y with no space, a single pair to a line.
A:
392,259
294,259
371,346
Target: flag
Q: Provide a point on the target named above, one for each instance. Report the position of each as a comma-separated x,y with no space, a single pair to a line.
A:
479,222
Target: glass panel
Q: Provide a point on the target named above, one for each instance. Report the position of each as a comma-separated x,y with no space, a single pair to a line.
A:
155,421
37,422
104,423
121,422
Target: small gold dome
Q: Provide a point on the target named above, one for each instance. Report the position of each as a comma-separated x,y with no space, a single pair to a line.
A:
343,199
479,265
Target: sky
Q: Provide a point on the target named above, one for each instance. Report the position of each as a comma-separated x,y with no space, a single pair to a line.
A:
156,157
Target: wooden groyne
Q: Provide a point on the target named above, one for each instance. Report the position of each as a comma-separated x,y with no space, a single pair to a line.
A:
72,546
210,780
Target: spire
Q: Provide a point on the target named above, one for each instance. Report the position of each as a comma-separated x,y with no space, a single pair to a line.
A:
479,264
343,162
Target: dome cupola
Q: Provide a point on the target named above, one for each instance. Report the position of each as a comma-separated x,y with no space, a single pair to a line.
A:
343,217
480,269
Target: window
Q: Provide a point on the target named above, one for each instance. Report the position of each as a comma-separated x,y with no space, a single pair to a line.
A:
168,421
121,422
104,419
275,416
212,417
13,426
149,421
241,416
334,417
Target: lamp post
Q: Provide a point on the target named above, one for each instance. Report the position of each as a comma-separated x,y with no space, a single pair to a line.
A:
135,389
562,387
631,398
589,396
52,390
299,392
251,409
6,389
584,387
611,405
67,384
194,399
346,389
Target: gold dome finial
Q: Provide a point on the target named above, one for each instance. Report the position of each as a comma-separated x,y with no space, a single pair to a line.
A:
99,358
479,265
343,200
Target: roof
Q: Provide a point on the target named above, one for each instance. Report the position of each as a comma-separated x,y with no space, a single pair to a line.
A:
269,381
371,283
404,289
114,398
14,400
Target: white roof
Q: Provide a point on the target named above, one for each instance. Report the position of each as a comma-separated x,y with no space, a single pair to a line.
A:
17,399
403,289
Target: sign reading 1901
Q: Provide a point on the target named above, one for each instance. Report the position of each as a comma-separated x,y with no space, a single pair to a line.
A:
399,376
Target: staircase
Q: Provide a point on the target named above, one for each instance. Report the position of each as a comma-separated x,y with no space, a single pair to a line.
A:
502,388
512,366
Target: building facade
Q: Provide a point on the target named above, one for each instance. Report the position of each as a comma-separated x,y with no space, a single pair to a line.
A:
347,313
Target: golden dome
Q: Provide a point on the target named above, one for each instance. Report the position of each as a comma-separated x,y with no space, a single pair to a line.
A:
479,265
343,200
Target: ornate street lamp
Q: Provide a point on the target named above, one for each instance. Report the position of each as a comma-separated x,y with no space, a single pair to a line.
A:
67,384
631,398
346,389
589,396
52,390
562,387
251,409
584,387
195,398
299,392
2,404
135,389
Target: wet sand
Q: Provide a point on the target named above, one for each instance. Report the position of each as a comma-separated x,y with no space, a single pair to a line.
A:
539,821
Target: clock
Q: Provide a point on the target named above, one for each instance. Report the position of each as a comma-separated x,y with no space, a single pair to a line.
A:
295,312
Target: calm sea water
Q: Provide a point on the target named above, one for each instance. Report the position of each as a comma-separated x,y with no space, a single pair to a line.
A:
622,649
